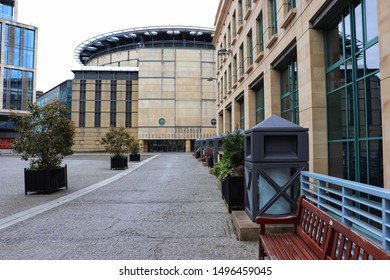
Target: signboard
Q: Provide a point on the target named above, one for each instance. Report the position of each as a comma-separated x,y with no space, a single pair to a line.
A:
6,143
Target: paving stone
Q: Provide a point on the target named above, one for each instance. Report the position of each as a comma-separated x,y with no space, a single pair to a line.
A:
168,208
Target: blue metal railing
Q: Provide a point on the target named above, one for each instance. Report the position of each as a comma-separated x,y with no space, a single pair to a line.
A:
362,207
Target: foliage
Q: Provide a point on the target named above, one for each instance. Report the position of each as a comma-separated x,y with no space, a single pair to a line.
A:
222,169
117,142
135,148
208,152
232,162
233,147
47,135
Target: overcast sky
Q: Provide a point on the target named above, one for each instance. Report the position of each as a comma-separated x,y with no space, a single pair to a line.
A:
63,25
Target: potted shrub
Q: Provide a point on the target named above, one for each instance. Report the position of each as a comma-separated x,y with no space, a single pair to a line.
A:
46,137
230,170
209,155
134,151
117,142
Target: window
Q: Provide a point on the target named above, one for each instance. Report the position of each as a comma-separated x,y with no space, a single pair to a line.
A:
98,102
6,11
230,77
29,48
229,37
242,61
249,44
259,100
260,33
242,112
235,69
240,13
19,46
291,4
273,13
113,94
234,21
129,92
354,95
82,103
289,92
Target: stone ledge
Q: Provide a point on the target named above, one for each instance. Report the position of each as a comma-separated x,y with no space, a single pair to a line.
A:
246,230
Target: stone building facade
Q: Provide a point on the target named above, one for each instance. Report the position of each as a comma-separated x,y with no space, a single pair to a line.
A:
321,64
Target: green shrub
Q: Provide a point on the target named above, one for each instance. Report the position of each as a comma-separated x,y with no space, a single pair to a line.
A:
117,142
47,135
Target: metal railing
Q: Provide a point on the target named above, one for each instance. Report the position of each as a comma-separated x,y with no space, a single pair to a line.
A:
362,207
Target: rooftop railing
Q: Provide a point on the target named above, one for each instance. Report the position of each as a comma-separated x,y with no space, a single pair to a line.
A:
362,207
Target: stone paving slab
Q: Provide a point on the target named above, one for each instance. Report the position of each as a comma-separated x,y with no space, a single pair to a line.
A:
168,208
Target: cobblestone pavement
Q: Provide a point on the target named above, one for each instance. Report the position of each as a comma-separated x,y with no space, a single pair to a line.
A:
167,208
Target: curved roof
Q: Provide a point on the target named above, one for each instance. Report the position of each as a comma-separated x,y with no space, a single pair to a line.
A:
144,37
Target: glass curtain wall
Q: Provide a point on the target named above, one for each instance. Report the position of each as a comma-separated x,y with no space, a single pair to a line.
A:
353,95
19,52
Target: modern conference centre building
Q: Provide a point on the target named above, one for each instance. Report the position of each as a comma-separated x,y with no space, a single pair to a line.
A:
157,82
321,64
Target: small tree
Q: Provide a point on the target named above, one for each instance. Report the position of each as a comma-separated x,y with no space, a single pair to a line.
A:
135,148
47,135
117,142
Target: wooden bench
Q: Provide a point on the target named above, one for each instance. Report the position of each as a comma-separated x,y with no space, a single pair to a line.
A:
316,235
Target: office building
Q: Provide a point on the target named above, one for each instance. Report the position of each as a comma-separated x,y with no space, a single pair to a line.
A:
17,68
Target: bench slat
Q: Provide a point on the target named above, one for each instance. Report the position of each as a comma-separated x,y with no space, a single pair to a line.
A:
316,236
286,247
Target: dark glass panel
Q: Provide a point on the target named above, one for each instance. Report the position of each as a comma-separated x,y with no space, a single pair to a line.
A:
336,116
335,78
337,160
351,161
374,114
361,107
376,163
363,162
350,112
284,80
287,115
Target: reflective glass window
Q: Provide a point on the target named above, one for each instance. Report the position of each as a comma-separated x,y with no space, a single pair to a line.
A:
371,19
354,94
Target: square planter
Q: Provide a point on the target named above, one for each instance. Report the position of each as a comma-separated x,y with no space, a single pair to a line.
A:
45,181
136,157
233,192
119,163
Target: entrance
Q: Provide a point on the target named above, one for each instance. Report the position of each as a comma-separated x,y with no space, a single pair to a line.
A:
159,146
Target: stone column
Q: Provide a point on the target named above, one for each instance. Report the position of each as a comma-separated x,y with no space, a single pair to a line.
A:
188,146
384,58
312,97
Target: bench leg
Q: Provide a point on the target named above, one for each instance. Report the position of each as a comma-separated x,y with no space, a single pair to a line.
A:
261,251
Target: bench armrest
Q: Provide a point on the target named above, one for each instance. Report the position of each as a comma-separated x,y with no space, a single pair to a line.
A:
264,220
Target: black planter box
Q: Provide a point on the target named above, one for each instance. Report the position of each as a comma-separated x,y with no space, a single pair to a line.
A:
233,192
119,163
136,157
210,162
45,181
